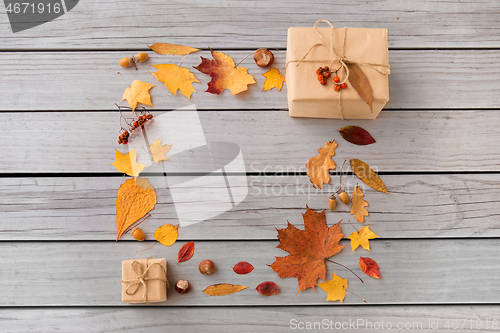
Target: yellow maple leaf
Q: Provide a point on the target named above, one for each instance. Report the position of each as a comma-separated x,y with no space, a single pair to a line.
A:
134,199
274,79
167,234
335,288
128,163
165,48
358,205
319,166
362,238
225,74
138,92
176,78
158,151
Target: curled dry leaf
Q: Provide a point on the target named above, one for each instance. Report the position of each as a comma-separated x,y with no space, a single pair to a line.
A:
242,267
362,238
128,163
158,151
134,199
173,49
186,252
268,288
138,92
358,205
167,234
356,135
367,175
335,288
318,167
360,83
369,267
222,289
225,74
308,249
176,78
274,79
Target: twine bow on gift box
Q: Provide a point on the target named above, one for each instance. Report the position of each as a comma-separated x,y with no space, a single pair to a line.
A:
340,58
141,278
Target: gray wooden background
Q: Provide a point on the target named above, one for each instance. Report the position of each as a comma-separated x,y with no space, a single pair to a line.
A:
437,151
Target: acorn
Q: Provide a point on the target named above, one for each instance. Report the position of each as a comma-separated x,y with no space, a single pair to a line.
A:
332,202
126,62
263,57
141,57
344,197
138,234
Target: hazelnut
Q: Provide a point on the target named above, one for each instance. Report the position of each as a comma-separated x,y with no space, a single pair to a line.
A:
182,286
138,234
141,57
263,57
206,267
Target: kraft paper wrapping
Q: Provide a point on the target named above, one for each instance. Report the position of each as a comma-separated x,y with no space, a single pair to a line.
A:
308,98
154,279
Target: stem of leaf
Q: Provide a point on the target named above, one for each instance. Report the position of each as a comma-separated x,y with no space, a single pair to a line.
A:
144,219
334,262
244,59
340,186
353,226
182,60
123,78
364,300
147,247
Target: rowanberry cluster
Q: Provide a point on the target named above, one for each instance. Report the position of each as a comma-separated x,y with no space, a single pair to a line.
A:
339,86
323,74
144,121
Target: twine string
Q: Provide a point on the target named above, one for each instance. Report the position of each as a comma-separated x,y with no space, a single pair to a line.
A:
142,278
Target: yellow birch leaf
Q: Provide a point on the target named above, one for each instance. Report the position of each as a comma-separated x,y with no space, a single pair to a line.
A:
319,166
165,48
222,289
358,205
138,92
176,78
128,163
335,288
134,199
274,79
167,234
362,238
158,151
367,175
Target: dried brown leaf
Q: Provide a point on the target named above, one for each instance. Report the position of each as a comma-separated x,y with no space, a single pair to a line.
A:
360,83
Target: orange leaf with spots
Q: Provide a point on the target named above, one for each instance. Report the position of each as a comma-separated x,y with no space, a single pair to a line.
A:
358,205
222,289
308,249
173,49
176,78
135,198
318,167
224,73
369,267
274,79
158,151
138,92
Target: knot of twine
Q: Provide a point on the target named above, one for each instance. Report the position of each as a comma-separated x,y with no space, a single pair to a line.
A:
141,278
340,58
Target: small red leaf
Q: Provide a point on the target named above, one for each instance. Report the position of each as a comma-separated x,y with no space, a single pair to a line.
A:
356,135
369,267
242,267
186,252
268,288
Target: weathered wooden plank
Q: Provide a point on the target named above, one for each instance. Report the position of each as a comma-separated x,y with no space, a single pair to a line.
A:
426,319
121,25
89,273
426,79
419,206
269,141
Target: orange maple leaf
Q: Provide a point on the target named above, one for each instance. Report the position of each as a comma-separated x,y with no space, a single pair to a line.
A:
158,151
358,205
176,78
274,79
224,73
308,249
138,92
318,166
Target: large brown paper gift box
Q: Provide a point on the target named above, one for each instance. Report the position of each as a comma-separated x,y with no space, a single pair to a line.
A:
136,276
308,98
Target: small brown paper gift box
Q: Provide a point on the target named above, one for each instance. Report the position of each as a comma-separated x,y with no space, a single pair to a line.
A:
144,280
311,48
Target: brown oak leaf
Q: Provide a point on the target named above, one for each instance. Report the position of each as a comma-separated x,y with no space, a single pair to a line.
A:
308,249
318,167
358,205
